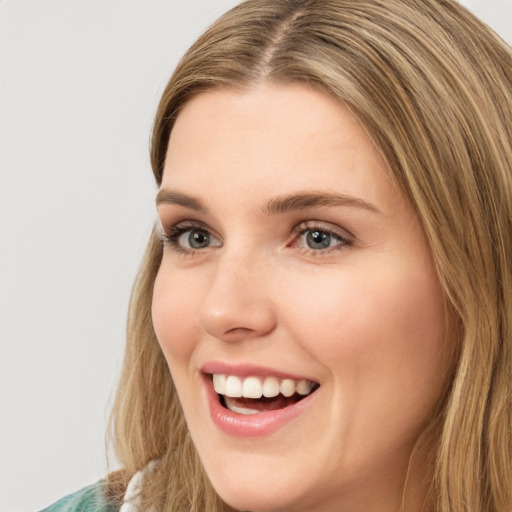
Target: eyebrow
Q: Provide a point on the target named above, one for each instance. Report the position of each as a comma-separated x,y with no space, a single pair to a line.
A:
302,201
280,204
166,196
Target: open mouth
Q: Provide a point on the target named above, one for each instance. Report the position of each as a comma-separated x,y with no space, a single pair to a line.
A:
253,395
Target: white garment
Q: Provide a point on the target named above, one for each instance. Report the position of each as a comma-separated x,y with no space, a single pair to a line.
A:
131,501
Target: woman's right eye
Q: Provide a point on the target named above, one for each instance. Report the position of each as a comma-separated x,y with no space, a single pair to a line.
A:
186,238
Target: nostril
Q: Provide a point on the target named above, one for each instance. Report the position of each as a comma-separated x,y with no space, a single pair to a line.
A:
236,331
241,333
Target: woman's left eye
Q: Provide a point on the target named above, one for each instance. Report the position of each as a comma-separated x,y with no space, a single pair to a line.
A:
318,239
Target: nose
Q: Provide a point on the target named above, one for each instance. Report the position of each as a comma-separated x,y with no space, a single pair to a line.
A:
237,303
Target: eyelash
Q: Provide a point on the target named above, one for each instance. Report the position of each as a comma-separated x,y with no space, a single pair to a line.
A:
175,232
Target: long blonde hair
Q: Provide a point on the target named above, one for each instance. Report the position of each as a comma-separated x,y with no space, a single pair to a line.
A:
432,86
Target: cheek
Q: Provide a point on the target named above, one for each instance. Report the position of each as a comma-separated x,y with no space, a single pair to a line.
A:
172,300
380,336
364,307
379,332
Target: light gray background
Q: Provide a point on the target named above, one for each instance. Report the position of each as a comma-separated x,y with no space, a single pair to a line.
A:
80,81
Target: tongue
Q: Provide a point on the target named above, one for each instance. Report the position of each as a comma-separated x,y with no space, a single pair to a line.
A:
262,404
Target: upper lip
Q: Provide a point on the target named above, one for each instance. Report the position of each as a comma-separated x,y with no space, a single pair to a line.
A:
248,370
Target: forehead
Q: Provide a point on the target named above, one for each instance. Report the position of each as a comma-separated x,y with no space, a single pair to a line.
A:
293,112
272,137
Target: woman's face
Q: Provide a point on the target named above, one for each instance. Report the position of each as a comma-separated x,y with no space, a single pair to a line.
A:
293,266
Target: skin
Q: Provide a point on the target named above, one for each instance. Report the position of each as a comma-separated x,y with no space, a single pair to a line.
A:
363,318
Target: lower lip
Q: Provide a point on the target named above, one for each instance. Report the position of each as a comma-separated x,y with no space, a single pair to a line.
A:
254,425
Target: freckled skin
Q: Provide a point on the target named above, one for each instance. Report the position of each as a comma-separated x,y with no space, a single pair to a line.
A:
364,319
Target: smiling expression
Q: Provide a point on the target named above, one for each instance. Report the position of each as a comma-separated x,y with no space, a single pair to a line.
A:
292,263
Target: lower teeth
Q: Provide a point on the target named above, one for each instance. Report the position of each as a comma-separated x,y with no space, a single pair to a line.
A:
242,410
250,406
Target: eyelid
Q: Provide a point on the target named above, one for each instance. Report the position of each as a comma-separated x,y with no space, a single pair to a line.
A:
323,226
186,224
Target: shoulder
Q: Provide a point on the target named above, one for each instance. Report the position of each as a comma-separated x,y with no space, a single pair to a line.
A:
89,499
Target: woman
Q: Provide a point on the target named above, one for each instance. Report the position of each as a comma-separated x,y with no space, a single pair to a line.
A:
322,320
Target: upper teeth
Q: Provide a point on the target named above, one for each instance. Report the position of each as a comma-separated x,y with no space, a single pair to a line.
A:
256,387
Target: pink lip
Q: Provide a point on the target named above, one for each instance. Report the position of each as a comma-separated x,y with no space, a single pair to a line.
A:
255,425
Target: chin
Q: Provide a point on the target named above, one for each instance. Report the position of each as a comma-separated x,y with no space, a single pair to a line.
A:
256,498
259,491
